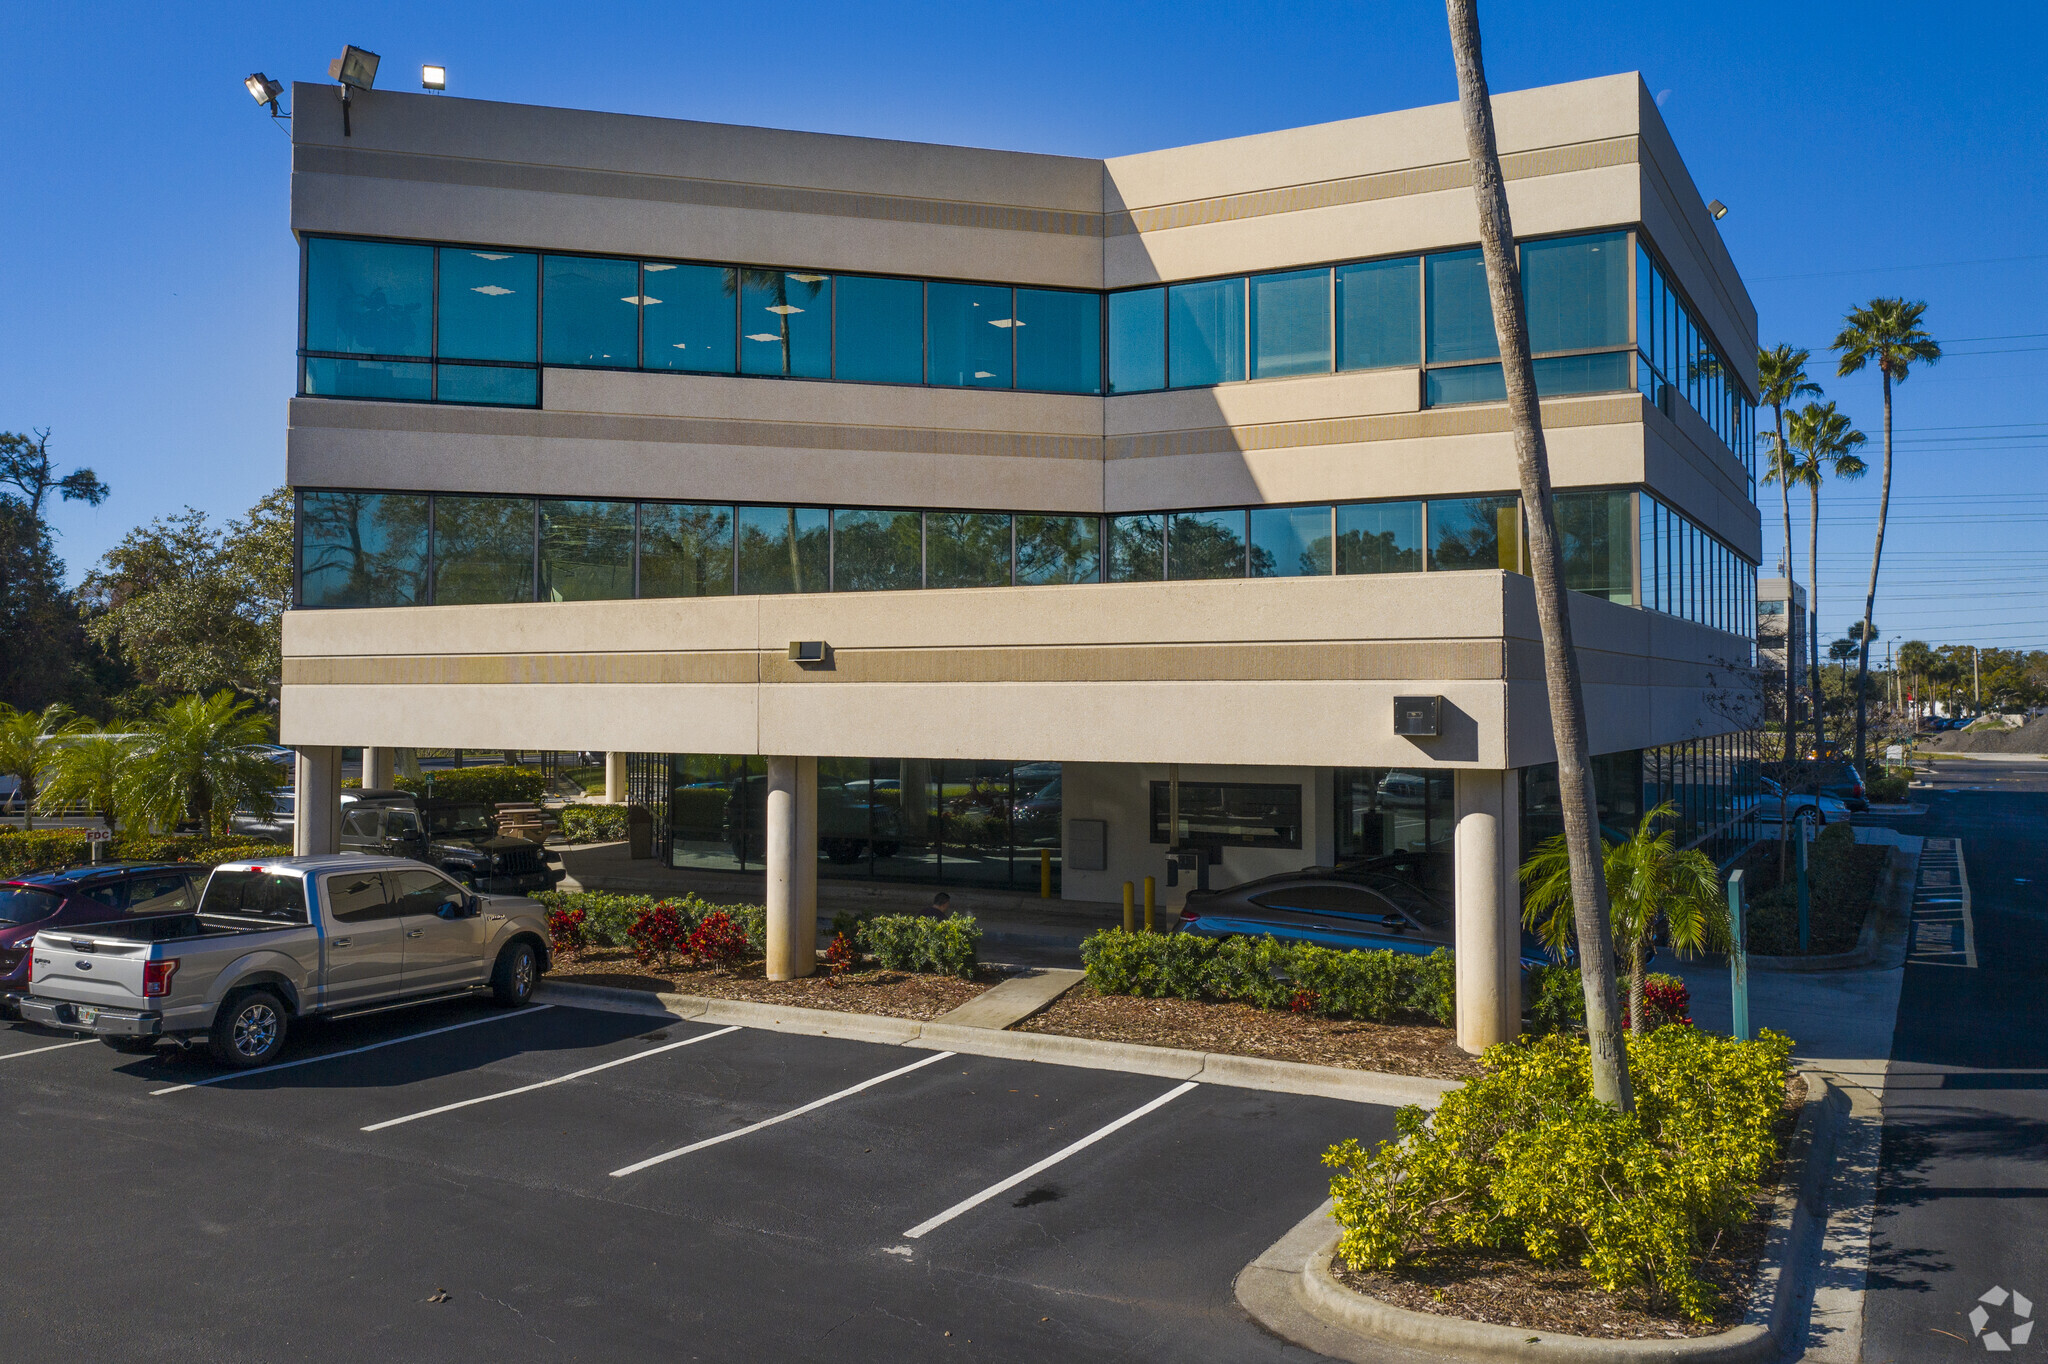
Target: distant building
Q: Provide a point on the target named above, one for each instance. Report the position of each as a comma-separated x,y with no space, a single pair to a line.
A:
1780,611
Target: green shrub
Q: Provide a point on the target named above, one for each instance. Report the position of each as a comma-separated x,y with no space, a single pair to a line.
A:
912,942
490,785
1270,974
1840,875
23,852
594,823
1557,999
1523,1158
1887,790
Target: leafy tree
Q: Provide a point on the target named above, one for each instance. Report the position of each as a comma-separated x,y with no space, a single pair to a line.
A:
46,651
89,768
196,759
26,464
1885,331
28,750
1649,877
1915,658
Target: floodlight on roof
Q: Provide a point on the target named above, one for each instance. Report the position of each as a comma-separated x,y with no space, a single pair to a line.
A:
263,90
433,78
354,69
1718,209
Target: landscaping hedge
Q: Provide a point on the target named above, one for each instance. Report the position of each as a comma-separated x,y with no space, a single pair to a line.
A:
594,823
1840,875
33,850
1271,974
1524,1158
488,784
608,918
914,942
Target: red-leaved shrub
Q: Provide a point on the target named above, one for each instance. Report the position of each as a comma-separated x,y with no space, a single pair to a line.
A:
659,936
717,941
840,956
565,929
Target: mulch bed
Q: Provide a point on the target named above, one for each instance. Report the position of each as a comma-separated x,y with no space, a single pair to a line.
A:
1241,1030
1507,1289
894,994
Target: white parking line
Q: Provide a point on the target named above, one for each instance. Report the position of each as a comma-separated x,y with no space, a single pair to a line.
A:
55,1046
782,1117
558,1080
353,1051
1055,1158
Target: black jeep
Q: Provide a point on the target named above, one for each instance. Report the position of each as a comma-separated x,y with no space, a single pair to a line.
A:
458,836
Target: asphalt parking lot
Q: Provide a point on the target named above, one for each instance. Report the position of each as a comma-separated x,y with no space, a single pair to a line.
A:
456,1182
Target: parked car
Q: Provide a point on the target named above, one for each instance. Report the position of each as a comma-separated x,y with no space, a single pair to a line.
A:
1801,804
1341,907
275,825
1823,776
460,837
276,941
83,895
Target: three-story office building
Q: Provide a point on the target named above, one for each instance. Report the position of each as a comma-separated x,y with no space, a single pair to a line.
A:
935,510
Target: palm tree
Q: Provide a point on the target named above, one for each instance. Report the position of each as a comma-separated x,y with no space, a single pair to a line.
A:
89,767
1781,374
1823,444
1885,330
28,750
197,758
1915,659
1648,878
1581,837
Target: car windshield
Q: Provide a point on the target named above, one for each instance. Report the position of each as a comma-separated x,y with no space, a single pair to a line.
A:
264,894
19,906
460,819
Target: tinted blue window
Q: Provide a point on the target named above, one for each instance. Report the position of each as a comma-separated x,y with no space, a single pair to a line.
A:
1059,549
1290,323
488,385
1379,537
592,311
880,328
970,330
1137,548
1576,289
967,549
490,305
784,549
1137,341
483,549
369,298
1379,313
1205,545
1290,542
1466,384
586,550
362,549
1460,310
685,550
1059,341
1205,333
877,551
785,323
1474,532
412,380
1563,374
689,317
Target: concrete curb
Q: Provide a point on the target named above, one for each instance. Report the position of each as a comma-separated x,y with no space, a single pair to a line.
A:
1291,1291
1238,1072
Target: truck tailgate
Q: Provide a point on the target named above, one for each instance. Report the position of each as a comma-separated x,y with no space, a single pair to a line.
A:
82,969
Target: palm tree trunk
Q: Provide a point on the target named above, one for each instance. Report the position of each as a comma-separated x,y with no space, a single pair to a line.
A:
1791,735
1638,1025
1813,614
1884,501
1560,662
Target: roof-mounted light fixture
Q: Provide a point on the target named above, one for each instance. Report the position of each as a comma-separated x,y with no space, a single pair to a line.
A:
1718,209
354,69
433,78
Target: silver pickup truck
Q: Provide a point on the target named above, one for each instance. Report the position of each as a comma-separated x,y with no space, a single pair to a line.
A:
280,939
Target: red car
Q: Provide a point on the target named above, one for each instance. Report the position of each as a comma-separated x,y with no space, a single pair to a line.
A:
84,895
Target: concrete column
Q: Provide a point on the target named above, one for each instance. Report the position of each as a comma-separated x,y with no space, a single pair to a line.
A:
792,864
379,767
407,762
1487,941
316,785
614,779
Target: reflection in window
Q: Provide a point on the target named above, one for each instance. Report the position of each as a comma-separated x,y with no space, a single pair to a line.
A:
362,549
784,549
1465,384
1380,537
1557,376
1058,549
593,312
1205,332
967,549
1400,821
1474,532
1206,544
969,329
490,305
685,550
487,385
877,551
1137,341
879,324
369,298
586,550
1233,815
1059,341
1460,309
1290,323
1576,290
1596,535
1137,548
785,323
1290,542
1379,313
689,317
407,380
483,550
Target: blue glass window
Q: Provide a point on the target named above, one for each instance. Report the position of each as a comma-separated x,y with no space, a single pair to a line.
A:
483,550
1576,290
1460,309
1465,384
1474,532
969,329
786,323
592,315
879,326
1206,544
1058,549
689,317
967,549
1379,313
877,551
1137,341
404,379
1290,323
1379,537
1205,333
586,550
490,305
784,549
369,298
1137,548
1598,543
487,385
1059,341
1557,376
685,550
1290,542
362,549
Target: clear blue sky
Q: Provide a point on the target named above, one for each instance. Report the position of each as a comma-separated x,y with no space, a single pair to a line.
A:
147,304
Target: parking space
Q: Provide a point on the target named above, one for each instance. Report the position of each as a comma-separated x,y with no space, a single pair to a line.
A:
583,1183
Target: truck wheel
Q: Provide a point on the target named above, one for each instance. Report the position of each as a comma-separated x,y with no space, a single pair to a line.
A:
249,1029
134,1046
513,978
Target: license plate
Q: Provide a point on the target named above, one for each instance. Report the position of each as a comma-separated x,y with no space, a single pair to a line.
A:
87,1014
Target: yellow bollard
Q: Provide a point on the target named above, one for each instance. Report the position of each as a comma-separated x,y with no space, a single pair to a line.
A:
1149,896
1045,873
1130,915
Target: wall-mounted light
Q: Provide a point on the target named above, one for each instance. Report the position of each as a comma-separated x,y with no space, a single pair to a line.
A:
807,651
1718,209
433,78
264,90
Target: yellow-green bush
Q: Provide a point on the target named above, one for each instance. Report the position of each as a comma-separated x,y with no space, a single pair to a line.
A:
23,852
1269,974
1524,1158
488,784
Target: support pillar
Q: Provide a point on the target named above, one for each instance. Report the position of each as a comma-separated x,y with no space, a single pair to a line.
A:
1488,909
792,865
614,779
316,787
379,768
